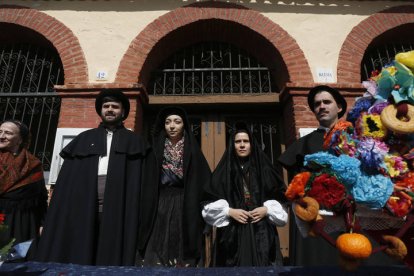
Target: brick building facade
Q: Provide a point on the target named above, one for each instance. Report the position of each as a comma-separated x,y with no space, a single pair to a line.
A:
130,40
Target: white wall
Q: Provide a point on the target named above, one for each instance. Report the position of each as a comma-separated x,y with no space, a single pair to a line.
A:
106,28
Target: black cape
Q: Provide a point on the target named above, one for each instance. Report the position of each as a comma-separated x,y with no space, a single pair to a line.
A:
251,244
71,227
197,173
293,157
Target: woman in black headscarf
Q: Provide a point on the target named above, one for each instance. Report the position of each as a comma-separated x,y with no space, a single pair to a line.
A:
245,197
171,228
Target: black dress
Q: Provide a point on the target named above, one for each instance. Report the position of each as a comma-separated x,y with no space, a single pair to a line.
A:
171,228
24,210
251,244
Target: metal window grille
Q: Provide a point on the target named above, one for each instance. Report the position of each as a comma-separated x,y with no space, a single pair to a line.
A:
376,57
28,74
211,68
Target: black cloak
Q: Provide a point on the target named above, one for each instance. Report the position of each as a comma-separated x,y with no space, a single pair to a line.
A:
250,244
293,157
71,233
196,172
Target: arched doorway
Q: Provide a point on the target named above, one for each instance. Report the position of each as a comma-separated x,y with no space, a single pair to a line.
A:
213,114
218,84
29,68
382,49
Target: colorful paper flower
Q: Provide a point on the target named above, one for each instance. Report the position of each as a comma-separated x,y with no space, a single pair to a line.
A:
343,143
338,127
347,169
394,165
399,203
371,154
370,125
378,107
344,167
371,87
406,182
296,188
327,190
372,190
361,105
319,159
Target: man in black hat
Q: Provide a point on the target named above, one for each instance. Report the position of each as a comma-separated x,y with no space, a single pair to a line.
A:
93,214
328,105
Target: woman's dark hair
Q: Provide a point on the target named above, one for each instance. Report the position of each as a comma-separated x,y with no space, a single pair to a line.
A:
163,114
23,129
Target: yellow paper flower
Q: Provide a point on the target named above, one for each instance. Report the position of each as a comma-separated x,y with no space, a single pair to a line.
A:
372,126
395,165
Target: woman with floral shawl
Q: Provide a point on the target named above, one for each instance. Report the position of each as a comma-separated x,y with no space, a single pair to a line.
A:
23,195
244,203
171,226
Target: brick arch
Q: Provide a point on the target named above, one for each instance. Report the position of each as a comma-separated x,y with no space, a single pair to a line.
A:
61,37
178,28
358,40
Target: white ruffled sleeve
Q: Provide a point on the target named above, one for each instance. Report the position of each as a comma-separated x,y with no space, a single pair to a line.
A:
276,212
217,213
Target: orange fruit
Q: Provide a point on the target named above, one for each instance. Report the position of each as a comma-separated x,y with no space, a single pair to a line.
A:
354,246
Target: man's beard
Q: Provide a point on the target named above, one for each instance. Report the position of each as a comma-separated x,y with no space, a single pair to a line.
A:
113,121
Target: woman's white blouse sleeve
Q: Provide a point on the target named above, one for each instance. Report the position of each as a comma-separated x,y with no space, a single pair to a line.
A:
276,212
217,213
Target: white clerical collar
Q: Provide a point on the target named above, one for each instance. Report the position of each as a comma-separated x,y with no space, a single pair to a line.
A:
326,129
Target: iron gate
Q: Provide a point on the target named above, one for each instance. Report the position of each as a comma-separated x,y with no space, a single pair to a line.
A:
211,68
376,57
28,74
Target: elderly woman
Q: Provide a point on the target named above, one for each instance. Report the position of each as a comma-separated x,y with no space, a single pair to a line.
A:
171,229
245,197
23,195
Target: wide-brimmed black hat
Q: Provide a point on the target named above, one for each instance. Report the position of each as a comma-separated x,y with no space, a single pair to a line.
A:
115,94
339,99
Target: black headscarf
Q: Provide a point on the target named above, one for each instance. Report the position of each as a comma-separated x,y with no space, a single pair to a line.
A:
264,180
197,173
245,244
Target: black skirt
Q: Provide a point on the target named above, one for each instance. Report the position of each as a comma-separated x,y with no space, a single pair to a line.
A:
252,244
165,246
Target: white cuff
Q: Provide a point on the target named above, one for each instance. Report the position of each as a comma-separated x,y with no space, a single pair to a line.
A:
276,212
216,213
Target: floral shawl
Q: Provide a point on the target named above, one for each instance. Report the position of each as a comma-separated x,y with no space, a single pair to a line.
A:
18,171
173,157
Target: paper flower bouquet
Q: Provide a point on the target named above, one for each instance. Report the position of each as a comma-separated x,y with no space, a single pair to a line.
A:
365,177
